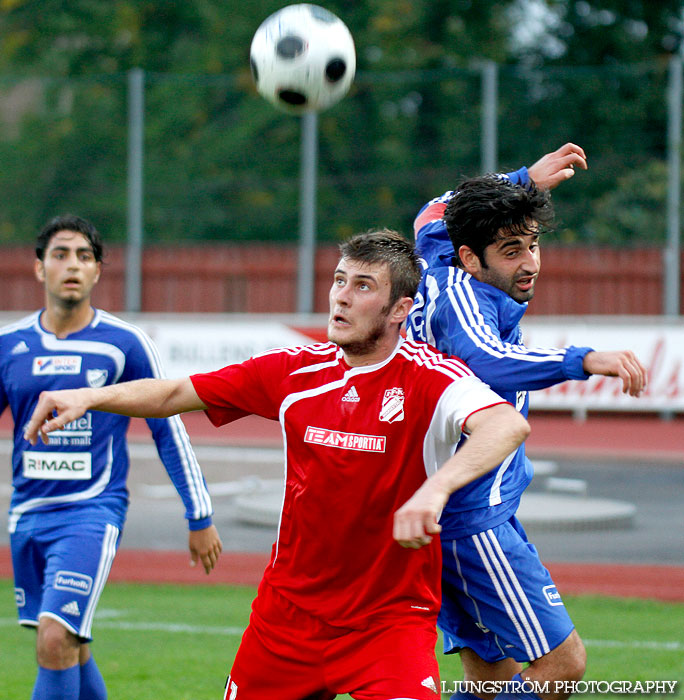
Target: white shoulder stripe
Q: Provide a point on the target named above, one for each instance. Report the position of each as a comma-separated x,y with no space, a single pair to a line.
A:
148,346
314,349
466,307
25,322
427,358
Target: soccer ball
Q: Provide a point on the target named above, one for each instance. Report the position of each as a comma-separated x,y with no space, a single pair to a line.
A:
303,58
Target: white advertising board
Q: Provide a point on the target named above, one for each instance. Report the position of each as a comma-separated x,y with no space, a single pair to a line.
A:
199,343
204,344
658,344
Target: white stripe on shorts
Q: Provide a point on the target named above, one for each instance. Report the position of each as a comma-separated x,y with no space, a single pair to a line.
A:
106,559
511,594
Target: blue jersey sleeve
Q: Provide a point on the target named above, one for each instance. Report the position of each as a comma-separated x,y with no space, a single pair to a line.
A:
171,439
3,397
465,322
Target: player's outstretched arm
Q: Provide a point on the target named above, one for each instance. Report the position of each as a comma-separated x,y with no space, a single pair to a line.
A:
621,363
495,432
143,398
556,167
206,546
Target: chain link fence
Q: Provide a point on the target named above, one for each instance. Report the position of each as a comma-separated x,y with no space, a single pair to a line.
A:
222,165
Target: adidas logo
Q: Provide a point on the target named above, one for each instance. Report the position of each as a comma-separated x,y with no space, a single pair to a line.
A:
429,682
70,608
352,395
19,348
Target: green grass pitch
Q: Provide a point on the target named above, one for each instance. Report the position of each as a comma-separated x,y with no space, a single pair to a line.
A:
155,641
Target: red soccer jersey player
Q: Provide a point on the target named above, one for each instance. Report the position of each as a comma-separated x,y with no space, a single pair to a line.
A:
359,442
349,601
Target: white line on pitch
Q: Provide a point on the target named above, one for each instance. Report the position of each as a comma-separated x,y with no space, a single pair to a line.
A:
153,627
173,627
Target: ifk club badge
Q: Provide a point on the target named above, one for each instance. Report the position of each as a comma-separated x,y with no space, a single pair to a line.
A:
392,408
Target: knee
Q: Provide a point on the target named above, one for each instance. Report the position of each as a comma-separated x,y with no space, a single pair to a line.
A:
575,660
566,662
571,661
56,647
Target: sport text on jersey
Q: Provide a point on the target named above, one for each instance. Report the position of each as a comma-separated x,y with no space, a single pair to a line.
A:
56,364
345,441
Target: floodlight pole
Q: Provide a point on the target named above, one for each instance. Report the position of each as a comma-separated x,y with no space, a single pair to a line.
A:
307,213
672,251
490,88
136,125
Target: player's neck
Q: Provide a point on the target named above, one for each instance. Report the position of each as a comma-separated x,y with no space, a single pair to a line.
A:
380,352
62,320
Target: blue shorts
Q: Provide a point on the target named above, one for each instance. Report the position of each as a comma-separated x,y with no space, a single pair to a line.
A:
498,599
61,571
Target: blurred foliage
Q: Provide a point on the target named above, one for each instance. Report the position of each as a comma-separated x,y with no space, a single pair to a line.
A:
632,210
222,164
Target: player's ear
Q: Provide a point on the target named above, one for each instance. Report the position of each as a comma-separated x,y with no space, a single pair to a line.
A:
470,262
39,270
99,271
401,309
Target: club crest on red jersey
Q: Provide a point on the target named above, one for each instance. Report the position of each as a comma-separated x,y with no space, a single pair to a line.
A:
392,408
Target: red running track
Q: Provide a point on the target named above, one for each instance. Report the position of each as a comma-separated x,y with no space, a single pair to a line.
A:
664,583
553,435
557,435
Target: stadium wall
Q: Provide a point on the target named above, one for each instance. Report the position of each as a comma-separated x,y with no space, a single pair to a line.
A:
263,279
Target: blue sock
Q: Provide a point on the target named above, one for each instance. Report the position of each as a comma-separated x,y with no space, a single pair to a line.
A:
92,684
525,692
57,685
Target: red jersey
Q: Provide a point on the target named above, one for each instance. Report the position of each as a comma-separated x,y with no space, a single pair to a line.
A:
359,441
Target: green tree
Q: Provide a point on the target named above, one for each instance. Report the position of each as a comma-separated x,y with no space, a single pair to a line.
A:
221,163
632,211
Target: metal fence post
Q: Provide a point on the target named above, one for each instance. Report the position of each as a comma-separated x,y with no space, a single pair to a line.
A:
136,124
671,253
490,80
307,213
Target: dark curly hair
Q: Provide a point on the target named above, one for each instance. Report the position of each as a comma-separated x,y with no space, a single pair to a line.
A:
483,209
69,222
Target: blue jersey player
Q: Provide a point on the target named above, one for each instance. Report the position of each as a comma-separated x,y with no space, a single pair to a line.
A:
70,498
480,255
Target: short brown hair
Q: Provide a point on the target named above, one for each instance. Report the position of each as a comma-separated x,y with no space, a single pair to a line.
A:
391,248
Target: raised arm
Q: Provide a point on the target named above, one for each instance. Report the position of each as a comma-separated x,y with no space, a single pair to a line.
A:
495,432
143,398
558,166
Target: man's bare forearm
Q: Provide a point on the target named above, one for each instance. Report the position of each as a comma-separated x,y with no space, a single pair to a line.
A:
145,398
494,433
489,444
142,398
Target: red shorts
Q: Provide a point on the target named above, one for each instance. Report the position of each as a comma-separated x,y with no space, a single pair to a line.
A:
287,654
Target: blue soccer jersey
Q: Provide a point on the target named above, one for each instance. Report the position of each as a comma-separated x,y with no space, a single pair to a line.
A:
480,324
86,463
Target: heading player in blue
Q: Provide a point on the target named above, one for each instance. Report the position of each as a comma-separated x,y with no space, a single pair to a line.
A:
480,256
70,499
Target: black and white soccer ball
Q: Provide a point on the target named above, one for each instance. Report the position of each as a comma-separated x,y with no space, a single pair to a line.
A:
303,58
